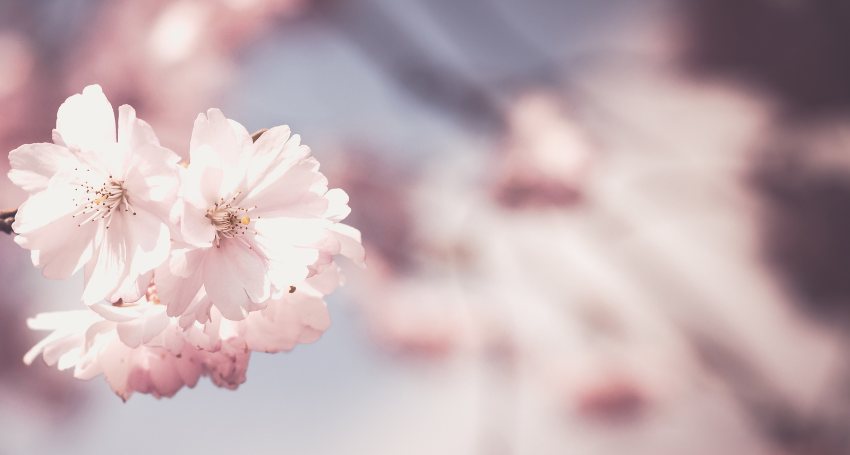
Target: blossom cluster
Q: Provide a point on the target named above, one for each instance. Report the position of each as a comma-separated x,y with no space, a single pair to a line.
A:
187,269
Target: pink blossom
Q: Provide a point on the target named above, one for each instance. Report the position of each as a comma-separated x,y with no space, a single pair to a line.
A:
96,201
258,218
139,348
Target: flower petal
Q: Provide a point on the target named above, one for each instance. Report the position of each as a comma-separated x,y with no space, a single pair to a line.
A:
34,164
144,328
216,131
45,225
196,228
235,279
350,239
176,292
286,322
86,120
133,133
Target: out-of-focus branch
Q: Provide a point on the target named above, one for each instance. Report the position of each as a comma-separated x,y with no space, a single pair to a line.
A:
7,217
411,65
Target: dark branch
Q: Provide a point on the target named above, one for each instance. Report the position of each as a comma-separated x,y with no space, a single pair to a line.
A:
7,217
257,135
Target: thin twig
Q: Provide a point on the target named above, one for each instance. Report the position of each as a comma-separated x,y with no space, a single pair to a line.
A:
257,135
7,217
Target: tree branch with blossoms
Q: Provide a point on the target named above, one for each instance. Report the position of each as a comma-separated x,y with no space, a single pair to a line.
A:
187,268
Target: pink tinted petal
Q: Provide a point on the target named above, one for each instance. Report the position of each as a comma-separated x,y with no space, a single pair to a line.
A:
117,314
133,245
176,292
287,191
243,137
269,152
196,228
69,359
133,132
144,328
276,233
197,311
132,289
295,318
146,370
338,207
153,175
30,356
202,180
185,261
34,164
235,279
109,266
326,282
57,138
227,367
350,240
54,351
46,225
87,120
146,239
215,130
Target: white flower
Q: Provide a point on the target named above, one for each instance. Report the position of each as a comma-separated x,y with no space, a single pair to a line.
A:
97,201
257,219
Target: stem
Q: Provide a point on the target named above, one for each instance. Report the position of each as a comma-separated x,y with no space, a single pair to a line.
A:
257,135
7,217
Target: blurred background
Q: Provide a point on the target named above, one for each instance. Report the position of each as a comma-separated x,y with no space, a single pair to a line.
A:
592,227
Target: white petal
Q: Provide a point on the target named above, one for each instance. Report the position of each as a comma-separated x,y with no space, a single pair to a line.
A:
196,228
133,133
146,239
177,292
325,283
153,174
215,131
131,290
235,279
118,314
338,207
143,329
109,266
297,318
34,164
203,178
87,120
350,239
45,225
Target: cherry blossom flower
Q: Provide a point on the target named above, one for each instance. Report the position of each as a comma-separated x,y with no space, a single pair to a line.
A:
139,348
258,218
299,317
97,202
136,348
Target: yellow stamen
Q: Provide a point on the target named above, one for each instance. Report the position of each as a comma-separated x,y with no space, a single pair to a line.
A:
246,220
99,200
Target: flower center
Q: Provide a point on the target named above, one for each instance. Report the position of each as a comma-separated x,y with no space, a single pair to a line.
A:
228,220
98,203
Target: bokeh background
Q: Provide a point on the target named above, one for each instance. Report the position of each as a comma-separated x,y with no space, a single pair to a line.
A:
592,227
